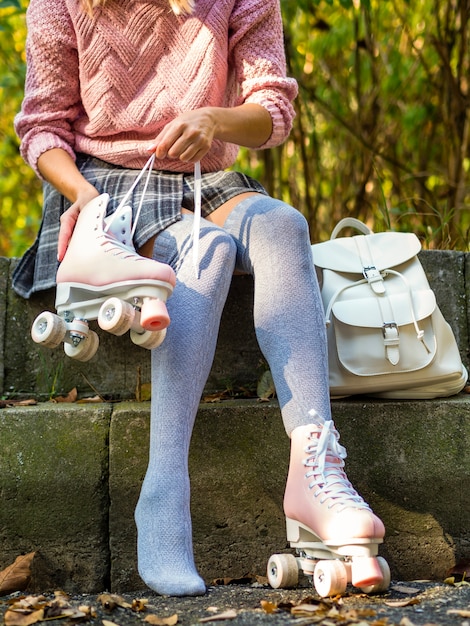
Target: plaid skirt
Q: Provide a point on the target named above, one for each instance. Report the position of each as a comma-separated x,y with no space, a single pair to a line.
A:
166,193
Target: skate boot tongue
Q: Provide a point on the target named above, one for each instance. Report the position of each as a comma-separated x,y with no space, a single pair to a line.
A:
326,458
119,225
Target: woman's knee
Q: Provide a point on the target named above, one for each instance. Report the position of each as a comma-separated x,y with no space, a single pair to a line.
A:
279,221
175,244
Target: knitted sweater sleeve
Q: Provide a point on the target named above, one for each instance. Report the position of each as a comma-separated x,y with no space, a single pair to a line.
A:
256,49
52,98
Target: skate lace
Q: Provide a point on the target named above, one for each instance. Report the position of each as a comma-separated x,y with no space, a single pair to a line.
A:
148,167
326,458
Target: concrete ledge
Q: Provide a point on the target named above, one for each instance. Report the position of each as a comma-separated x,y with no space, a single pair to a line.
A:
119,365
63,496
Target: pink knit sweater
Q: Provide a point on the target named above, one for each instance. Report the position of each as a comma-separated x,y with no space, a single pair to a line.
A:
107,85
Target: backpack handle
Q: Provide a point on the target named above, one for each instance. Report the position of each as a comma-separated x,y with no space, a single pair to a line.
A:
351,222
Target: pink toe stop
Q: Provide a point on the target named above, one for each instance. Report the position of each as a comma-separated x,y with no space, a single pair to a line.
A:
154,315
366,571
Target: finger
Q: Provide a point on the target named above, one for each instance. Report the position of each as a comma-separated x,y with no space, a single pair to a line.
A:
67,225
166,140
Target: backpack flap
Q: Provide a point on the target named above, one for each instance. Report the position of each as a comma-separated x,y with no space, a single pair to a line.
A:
353,254
386,334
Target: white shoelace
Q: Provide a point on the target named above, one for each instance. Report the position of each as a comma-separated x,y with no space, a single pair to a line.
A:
197,216
197,205
330,481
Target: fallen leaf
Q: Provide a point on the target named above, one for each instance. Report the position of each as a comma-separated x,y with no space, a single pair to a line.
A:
452,581
90,400
16,576
268,607
106,622
304,610
230,614
87,610
266,388
401,603
460,571
355,615
139,605
9,403
155,620
459,612
14,617
70,397
216,397
109,601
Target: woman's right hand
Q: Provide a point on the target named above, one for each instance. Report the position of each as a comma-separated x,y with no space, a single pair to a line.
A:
60,170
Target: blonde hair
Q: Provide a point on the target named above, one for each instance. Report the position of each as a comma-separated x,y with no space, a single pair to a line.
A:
179,7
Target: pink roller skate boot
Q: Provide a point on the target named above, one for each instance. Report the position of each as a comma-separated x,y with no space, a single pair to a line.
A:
335,533
102,277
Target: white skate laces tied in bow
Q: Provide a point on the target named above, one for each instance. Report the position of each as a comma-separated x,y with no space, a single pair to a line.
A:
325,458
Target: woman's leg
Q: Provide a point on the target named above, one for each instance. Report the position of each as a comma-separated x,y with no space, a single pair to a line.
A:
273,245
180,367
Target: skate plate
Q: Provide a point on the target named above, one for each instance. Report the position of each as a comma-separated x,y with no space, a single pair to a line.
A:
330,574
331,565
135,306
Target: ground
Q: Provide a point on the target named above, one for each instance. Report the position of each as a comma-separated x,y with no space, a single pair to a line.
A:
406,604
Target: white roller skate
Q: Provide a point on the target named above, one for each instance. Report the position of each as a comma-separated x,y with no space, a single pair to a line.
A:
103,278
334,532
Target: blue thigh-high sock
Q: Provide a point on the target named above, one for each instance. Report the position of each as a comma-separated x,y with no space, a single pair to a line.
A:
180,367
274,246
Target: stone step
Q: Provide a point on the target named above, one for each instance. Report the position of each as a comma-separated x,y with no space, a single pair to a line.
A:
70,476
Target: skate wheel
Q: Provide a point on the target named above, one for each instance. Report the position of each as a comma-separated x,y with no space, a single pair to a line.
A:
154,315
283,571
85,349
48,329
330,578
382,586
148,339
116,316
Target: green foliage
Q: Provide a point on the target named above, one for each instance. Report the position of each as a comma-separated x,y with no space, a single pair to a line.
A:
20,190
382,129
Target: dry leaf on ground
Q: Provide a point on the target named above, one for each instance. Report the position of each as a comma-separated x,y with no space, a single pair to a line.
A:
10,403
266,389
16,576
155,620
269,607
459,612
70,397
398,604
106,622
220,617
110,601
14,617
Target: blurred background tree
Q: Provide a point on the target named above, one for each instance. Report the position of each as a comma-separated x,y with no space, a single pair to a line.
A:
382,126
20,190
